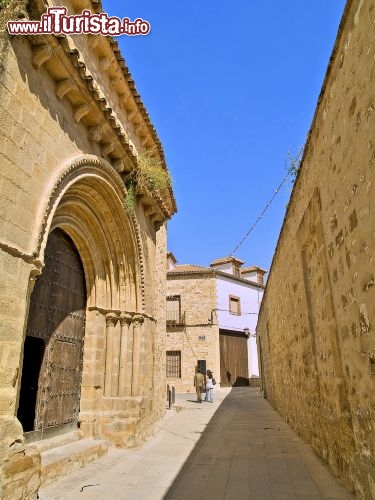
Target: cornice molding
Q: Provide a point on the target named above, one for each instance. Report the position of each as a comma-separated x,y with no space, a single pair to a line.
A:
123,316
108,131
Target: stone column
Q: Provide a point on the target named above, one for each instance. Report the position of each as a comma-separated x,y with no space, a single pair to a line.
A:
116,358
137,332
93,369
111,320
124,383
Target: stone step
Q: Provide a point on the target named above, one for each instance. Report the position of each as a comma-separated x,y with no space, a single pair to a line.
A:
56,441
67,458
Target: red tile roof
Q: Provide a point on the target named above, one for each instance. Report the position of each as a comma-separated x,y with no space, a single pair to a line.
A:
225,260
251,269
189,268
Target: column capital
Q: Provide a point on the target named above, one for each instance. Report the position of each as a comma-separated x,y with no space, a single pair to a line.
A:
111,319
125,319
138,319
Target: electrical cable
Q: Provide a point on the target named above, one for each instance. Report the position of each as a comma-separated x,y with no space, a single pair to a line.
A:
295,161
277,190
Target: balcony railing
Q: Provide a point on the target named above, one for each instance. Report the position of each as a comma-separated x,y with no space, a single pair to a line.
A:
175,318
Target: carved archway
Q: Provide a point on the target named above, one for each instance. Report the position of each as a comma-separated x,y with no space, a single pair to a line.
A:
86,203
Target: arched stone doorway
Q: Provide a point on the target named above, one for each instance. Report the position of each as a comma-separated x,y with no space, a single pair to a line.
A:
86,208
52,365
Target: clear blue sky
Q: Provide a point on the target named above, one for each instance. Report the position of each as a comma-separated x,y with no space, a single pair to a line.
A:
230,86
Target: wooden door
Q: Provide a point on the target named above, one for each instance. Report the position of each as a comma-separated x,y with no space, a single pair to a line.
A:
57,316
234,369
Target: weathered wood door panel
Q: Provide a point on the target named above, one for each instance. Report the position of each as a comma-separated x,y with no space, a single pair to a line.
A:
57,315
234,369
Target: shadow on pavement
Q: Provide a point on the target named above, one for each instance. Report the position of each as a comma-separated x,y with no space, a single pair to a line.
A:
247,451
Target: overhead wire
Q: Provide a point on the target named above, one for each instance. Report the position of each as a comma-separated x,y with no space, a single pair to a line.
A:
259,218
277,190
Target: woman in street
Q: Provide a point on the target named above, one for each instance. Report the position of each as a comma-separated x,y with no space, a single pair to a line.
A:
209,387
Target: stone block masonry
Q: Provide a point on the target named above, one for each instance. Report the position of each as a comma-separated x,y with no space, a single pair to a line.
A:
316,341
72,126
197,338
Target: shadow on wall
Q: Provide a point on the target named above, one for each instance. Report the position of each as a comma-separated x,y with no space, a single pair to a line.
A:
43,88
241,382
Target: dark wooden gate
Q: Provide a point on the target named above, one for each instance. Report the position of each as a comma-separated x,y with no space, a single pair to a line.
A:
57,317
234,370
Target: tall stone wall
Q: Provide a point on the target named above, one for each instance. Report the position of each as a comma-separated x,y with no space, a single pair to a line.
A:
72,126
316,339
198,337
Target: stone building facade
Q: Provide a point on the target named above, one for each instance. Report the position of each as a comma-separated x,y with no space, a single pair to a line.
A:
82,295
209,311
316,339
193,334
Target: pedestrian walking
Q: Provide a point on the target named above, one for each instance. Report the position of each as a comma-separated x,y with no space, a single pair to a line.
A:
199,385
210,387
205,380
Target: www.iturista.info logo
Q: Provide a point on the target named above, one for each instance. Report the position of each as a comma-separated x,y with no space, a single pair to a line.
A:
56,21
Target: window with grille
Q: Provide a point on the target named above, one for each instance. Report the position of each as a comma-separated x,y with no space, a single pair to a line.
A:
202,366
173,309
234,305
173,364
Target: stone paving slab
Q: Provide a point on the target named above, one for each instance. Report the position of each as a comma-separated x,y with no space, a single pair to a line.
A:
235,448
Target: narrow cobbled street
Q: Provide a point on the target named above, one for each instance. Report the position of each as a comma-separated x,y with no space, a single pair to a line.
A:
236,448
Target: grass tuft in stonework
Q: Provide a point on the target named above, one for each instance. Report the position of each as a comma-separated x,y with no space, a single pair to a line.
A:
130,197
294,164
148,174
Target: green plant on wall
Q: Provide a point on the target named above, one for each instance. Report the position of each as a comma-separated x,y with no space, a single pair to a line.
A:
149,175
129,201
294,164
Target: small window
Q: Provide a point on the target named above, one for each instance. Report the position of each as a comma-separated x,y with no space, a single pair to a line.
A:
173,364
236,271
174,309
260,279
234,305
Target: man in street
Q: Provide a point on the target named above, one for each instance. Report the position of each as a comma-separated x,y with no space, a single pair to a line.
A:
199,385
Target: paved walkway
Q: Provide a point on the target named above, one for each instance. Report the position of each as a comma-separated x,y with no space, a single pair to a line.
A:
235,448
